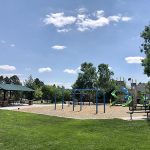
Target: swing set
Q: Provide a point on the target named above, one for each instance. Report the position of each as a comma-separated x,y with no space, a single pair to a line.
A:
81,94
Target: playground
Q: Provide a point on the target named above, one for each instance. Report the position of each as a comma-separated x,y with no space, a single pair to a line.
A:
91,104
88,112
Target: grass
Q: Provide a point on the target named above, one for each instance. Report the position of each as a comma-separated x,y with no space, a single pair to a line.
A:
25,131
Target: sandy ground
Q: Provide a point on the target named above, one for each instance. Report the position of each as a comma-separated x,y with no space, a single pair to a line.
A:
88,112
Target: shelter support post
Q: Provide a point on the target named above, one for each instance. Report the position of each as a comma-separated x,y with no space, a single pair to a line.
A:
73,100
96,102
4,95
55,100
81,97
62,99
104,103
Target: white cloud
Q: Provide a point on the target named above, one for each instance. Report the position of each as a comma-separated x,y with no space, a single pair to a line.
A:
59,47
42,70
99,13
3,41
72,71
82,10
59,20
114,18
63,30
83,21
7,68
12,45
110,68
134,60
126,18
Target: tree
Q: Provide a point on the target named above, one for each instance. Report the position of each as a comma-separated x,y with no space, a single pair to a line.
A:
15,80
29,82
105,81
7,80
87,77
47,92
37,83
148,87
146,50
1,79
38,93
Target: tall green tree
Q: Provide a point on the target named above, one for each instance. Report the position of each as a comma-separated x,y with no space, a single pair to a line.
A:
105,81
37,83
29,82
148,87
7,80
38,93
1,79
15,80
146,50
87,77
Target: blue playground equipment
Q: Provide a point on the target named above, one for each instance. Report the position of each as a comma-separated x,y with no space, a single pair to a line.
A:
127,97
81,92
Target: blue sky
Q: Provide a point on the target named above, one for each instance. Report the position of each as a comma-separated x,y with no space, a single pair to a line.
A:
51,38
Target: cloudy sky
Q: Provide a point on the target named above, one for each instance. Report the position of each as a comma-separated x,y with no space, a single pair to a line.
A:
51,38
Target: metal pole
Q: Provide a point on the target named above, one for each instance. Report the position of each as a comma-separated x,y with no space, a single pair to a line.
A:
73,100
55,99
104,103
81,102
63,99
96,102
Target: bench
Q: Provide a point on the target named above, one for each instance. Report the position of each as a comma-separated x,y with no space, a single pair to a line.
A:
139,109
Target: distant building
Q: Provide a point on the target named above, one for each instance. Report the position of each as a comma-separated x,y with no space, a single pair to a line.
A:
141,87
121,83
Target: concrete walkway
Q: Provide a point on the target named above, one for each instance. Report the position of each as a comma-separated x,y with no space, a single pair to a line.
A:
24,106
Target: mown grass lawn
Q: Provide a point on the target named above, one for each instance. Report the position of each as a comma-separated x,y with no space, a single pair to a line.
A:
25,131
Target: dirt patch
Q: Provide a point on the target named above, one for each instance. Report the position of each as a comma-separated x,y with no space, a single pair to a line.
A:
88,112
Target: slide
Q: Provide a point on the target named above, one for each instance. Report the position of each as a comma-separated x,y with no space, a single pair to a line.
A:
116,97
144,100
127,103
127,97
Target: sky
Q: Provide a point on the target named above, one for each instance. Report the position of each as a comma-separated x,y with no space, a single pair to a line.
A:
49,39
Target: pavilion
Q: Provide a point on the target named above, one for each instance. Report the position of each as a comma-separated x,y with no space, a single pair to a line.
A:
13,87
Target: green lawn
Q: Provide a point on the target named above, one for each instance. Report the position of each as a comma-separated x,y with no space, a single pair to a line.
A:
25,131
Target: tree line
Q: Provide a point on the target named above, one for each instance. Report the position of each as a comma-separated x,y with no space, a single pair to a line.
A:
42,91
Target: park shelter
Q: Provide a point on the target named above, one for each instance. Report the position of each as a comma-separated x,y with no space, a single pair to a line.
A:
13,87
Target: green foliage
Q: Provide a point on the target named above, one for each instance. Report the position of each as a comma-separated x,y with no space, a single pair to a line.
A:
104,78
148,87
87,77
29,82
146,49
15,80
7,80
37,83
26,131
38,93
1,79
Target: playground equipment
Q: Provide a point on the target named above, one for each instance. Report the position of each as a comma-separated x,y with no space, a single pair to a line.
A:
127,97
81,92
144,99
